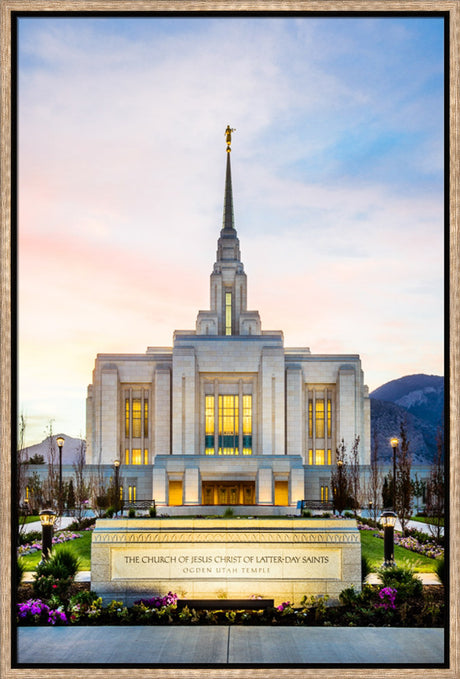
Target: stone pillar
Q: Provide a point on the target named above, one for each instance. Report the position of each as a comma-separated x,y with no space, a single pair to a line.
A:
159,480
110,445
265,486
296,486
192,487
294,410
162,409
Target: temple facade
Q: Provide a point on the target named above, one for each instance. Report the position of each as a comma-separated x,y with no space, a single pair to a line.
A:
228,415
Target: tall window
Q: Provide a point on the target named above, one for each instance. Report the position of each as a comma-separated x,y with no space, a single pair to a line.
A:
324,493
228,313
228,425
136,426
209,425
319,416
310,417
329,418
247,424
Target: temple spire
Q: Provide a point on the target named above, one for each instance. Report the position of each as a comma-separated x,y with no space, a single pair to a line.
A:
228,220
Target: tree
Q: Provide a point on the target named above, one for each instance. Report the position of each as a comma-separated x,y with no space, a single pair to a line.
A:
340,481
403,486
82,489
435,490
37,459
51,485
21,470
387,491
355,480
70,495
35,486
418,489
374,486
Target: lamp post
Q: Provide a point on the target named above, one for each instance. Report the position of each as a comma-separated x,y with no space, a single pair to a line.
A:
388,520
394,444
116,464
340,489
47,519
60,442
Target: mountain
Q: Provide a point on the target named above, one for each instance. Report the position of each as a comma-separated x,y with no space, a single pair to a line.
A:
70,449
418,400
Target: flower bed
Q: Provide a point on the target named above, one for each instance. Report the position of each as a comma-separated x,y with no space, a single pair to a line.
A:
59,538
427,548
375,605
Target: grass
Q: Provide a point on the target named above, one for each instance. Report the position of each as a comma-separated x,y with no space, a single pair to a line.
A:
372,548
81,547
28,519
427,519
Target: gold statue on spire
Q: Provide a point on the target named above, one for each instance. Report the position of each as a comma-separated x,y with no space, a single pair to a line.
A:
228,137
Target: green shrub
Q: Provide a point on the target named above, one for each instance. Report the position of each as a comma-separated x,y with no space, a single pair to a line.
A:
20,569
228,513
33,536
306,513
366,567
152,511
402,579
110,512
440,569
131,513
54,576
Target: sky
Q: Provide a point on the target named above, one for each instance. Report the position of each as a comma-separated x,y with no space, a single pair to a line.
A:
338,188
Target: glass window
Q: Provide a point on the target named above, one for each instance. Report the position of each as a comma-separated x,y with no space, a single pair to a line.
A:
329,417
127,418
228,425
310,456
319,456
137,456
228,313
132,493
209,425
127,456
137,418
319,413
247,424
121,492
146,418
324,493
310,417
329,456
146,455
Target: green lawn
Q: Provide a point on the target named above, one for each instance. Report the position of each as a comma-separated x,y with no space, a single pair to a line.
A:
28,519
81,547
372,548
427,519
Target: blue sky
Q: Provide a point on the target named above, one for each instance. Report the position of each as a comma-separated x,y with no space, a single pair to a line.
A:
337,169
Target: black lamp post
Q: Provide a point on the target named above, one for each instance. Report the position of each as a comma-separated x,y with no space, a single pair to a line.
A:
60,442
388,519
116,464
47,519
394,444
341,499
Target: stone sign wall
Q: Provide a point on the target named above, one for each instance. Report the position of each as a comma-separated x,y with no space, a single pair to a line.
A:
280,559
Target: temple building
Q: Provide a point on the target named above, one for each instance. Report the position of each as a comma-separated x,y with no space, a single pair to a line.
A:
228,415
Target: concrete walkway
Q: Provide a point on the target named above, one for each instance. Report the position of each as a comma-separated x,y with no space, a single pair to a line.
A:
222,645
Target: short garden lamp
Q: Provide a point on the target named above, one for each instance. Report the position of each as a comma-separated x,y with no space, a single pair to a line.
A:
388,520
47,519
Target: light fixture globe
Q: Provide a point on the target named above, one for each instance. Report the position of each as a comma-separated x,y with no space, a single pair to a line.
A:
47,517
388,519
394,442
60,441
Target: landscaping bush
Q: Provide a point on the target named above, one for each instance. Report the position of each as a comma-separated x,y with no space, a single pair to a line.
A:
20,570
152,512
55,576
82,524
403,580
440,570
131,513
33,536
366,567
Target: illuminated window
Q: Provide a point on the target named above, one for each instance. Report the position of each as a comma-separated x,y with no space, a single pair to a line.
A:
310,418
247,425
146,418
329,418
228,313
324,493
310,456
319,417
132,493
319,456
137,418
136,459
146,456
27,493
127,456
209,425
121,492
329,456
228,425
127,418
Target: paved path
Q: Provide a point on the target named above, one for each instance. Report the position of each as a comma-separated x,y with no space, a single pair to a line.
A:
222,645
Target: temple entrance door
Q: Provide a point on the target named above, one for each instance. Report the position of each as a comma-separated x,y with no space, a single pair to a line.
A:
228,493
